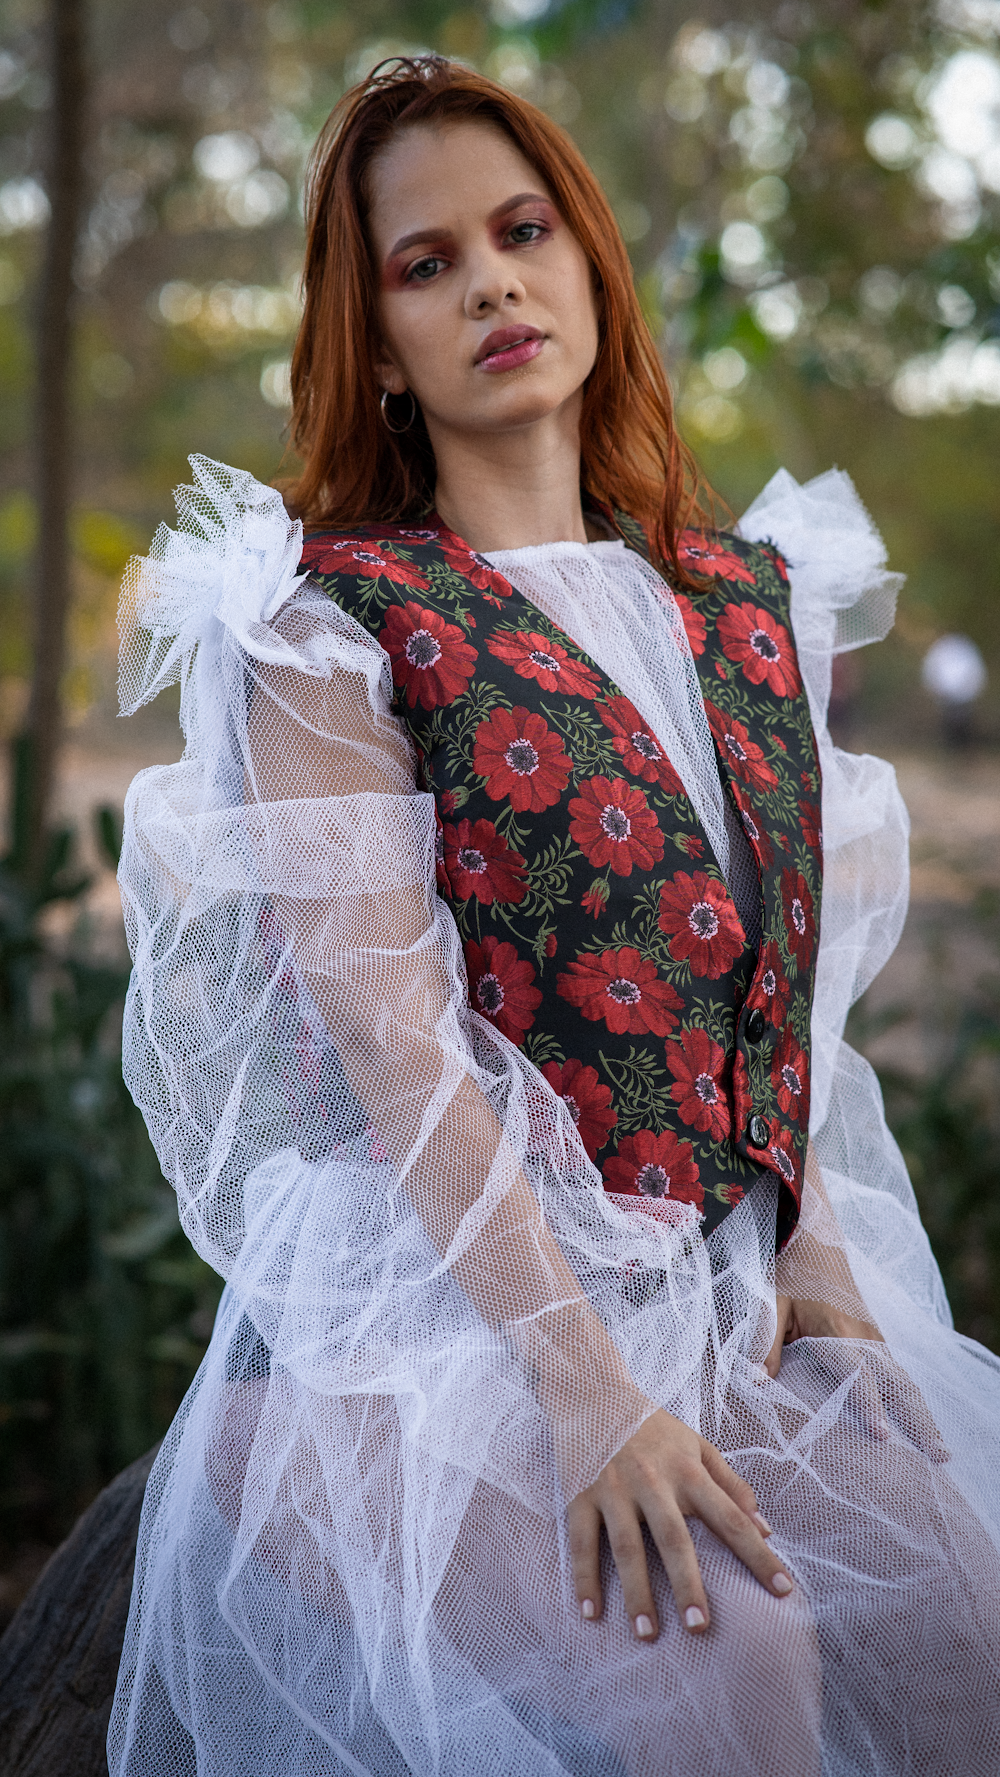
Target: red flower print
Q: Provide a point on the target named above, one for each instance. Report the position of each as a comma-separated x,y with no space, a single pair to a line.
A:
800,920
446,802
812,824
790,1078
745,758
691,844
479,862
533,656
779,742
595,900
612,824
588,1100
756,835
472,567
551,944
522,759
649,1165
444,886
774,986
733,1194
624,990
429,656
371,560
762,647
637,746
782,1154
722,672
702,923
697,1065
500,986
694,623
779,563
706,556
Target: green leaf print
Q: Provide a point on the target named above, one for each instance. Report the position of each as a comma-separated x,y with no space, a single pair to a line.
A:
642,1090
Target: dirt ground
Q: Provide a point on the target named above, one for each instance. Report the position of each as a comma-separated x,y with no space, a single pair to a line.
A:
949,948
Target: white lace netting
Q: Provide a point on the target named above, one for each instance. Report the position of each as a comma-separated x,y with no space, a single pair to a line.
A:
437,1325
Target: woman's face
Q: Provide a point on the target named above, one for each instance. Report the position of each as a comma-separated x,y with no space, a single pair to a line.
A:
487,299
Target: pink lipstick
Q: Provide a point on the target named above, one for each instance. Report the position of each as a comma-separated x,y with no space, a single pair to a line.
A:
507,347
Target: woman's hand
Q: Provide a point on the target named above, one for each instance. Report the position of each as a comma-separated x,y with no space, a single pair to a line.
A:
882,1391
663,1474
812,1320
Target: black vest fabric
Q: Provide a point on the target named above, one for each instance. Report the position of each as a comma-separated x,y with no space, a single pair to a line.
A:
599,934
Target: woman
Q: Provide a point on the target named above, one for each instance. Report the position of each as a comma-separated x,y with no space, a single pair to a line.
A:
546,1424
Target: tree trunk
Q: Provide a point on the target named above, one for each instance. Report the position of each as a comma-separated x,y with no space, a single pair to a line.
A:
59,1657
53,448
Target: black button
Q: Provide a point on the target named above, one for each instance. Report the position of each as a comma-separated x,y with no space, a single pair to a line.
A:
758,1133
756,1025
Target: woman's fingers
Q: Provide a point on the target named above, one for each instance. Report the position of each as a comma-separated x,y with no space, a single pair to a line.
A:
783,1309
584,1527
905,1404
624,1530
882,1392
734,1528
870,1407
673,1540
738,1490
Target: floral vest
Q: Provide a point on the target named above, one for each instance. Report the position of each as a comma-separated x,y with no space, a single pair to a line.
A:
599,934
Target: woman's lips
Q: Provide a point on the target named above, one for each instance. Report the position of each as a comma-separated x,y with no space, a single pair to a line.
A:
510,346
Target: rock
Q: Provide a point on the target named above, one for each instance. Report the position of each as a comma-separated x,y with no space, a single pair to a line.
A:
59,1656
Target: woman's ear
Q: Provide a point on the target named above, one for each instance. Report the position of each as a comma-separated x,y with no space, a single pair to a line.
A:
389,377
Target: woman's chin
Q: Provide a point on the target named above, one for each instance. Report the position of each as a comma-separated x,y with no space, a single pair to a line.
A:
521,403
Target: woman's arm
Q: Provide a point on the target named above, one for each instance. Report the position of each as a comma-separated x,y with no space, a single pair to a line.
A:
817,1298
376,966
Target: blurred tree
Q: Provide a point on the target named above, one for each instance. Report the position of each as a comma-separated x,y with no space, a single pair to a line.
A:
811,202
39,741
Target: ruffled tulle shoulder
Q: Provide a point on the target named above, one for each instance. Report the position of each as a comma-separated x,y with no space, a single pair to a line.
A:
231,561
844,596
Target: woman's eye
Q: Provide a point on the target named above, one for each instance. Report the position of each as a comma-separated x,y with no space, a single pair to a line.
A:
524,232
424,269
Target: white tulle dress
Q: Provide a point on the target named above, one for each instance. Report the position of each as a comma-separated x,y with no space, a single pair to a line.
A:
437,1326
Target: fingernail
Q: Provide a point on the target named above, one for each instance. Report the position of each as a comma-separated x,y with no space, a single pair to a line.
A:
781,1584
762,1524
643,1627
588,1609
694,1618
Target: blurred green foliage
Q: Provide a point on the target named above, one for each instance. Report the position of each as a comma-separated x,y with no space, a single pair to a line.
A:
104,1308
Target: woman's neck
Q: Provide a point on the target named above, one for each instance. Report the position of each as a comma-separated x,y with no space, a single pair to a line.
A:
510,489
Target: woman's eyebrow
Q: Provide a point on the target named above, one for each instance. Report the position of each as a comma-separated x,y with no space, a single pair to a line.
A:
420,235
523,197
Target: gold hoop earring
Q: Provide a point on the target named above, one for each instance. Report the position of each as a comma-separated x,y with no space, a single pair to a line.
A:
385,417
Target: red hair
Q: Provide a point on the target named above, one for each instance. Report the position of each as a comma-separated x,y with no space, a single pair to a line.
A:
356,470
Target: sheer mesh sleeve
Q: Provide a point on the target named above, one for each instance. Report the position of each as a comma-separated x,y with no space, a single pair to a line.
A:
843,596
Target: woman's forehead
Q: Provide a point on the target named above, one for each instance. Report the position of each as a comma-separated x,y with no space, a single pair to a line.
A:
435,174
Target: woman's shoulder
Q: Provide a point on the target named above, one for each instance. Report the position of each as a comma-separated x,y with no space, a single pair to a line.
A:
737,570
727,556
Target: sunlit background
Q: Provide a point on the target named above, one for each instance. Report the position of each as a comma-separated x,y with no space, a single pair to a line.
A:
811,197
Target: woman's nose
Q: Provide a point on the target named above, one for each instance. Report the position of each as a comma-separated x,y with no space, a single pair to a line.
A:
491,286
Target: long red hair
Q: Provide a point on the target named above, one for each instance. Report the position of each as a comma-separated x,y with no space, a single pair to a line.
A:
356,470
